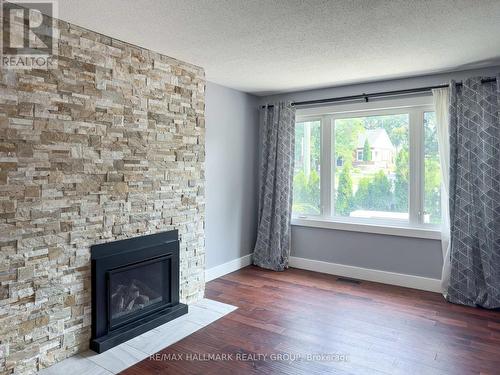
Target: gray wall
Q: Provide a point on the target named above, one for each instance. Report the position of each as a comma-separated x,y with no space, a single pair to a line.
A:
231,174
411,256
396,84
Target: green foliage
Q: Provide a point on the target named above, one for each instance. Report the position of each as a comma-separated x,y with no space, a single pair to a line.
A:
432,188
432,183
401,183
430,134
306,196
344,203
362,196
315,142
374,193
315,146
367,151
347,132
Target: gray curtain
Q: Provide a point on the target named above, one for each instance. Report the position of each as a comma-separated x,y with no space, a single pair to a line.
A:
277,141
475,193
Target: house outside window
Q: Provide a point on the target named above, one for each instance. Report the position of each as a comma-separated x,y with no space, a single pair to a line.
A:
378,142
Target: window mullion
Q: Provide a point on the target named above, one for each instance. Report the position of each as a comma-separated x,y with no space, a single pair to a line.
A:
416,167
326,166
333,165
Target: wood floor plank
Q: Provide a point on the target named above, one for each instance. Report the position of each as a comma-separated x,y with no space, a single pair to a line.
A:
284,318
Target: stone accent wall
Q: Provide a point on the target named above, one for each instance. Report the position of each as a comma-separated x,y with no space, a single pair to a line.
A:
108,146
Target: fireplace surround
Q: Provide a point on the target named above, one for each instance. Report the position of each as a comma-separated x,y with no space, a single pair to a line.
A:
135,287
109,146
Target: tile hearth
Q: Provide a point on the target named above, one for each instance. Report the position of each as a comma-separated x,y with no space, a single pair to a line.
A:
129,353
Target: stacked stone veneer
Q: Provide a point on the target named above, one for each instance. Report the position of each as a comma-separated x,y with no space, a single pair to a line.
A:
109,145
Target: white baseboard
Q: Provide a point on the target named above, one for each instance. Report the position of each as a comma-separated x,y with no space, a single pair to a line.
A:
384,277
225,268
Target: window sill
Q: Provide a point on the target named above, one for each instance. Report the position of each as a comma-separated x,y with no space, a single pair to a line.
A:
400,230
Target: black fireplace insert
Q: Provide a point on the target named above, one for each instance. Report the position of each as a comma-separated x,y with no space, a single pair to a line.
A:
135,287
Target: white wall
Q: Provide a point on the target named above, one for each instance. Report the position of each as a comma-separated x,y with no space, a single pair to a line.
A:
411,256
231,174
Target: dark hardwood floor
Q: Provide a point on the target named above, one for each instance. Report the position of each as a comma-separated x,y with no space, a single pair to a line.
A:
381,329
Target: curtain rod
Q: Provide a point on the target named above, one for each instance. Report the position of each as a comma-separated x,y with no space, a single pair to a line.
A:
377,94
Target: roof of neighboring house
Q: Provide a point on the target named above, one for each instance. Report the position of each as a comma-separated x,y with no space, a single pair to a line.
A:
377,138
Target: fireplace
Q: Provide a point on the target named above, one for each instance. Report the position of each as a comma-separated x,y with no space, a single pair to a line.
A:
135,287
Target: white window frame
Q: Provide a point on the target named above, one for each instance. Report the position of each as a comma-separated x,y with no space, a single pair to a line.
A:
415,226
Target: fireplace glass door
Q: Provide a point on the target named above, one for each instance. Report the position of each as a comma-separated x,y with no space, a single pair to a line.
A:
138,289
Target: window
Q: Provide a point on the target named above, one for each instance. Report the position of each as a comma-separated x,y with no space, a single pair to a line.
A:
366,187
432,171
306,179
368,166
359,155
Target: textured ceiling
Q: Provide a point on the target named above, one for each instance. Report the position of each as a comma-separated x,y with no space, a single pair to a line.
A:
271,46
